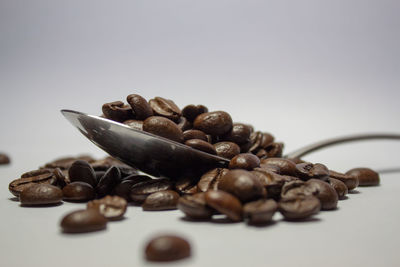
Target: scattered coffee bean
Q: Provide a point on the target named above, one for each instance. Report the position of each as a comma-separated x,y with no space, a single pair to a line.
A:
365,176
191,111
339,186
260,211
225,203
195,207
78,192
167,248
227,149
40,194
161,200
165,108
139,106
41,176
350,181
245,161
111,207
82,221
81,171
163,127
214,123
4,159
299,208
201,145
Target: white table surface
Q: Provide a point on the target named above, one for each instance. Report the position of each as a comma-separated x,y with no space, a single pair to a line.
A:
303,72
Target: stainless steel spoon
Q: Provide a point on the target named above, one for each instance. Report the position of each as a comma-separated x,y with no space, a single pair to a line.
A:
159,156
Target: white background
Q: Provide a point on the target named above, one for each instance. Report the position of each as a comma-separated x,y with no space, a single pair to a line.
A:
302,70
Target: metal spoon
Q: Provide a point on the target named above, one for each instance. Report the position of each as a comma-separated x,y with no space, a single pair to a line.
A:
159,156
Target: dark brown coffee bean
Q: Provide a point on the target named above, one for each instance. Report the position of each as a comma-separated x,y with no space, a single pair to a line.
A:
339,186
260,140
40,194
99,174
163,127
81,171
214,123
194,134
239,134
326,193
78,191
167,248
61,177
82,221
245,161
140,106
286,167
225,203
134,124
191,111
210,180
275,150
299,208
117,111
66,162
165,108
227,149
111,207
161,200
110,179
107,162
350,181
201,145
244,148
243,184
41,176
298,188
365,176
195,207
123,189
272,182
306,171
4,159
272,168
140,191
184,124
260,211
186,185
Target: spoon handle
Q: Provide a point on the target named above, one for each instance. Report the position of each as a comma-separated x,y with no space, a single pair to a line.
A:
338,140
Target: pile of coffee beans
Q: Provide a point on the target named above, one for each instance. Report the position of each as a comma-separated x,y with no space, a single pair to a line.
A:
257,183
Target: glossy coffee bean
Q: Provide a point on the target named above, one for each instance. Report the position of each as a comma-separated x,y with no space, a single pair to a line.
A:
210,180
195,207
286,167
117,111
41,176
163,127
350,181
108,181
215,123
82,171
260,140
239,134
134,124
161,200
111,207
245,161
140,191
326,193
260,211
82,221
186,185
339,186
299,208
78,191
298,188
365,176
227,149
194,134
201,145
4,159
167,248
40,194
140,106
275,150
165,108
184,124
225,203
243,184
192,111
306,171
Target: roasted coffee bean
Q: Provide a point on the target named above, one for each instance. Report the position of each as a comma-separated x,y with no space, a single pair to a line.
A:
298,188
163,127
110,179
261,153
184,124
140,106
350,181
78,192
40,194
107,162
227,149
81,171
243,184
271,181
299,208
41,176
260,211
365,176
245,161
117,111
111,207
186,185
339,186
140,191
275,150
214,123
286,167
66,162
326,193
244,148
272,168
239,134
210,179
225,203
260,140
123,189
306,171
82,221
61,177
191,111
195,207
194,134
134,124
201,145
98,175
4,159
161,200
167,248
165,108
